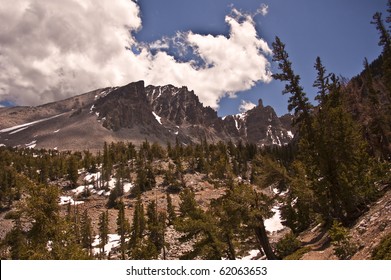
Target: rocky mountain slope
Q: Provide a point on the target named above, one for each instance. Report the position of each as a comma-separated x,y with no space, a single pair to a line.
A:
134,113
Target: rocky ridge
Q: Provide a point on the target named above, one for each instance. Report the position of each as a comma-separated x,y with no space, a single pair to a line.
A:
136,113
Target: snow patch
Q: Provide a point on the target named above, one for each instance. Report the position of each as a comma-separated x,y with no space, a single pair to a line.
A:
81,189
31,145
114,241
290,134
90,177
241,116
18,130
128,187
28,124
274,223
157,117
251,255
275,139
56,131
64,200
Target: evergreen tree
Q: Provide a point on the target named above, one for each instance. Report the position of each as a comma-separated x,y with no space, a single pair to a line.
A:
137,231
123,228
103,230
249,209
73,170
17,241
298,100
156,227
170,210
107,163
322,81
87,236
339,164
385,41
198,225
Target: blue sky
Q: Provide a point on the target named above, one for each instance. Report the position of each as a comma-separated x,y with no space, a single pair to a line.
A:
221,49
339,31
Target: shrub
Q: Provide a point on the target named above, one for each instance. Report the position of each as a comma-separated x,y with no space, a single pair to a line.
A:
344,248
287,245
383,250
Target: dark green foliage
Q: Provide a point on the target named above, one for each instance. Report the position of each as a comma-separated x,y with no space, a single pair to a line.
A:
322,81
73,171
87,236
39,231
116,193
298,100
297,255
173,179
16,240
383,250
103,227
344,248
268,172
287,245
156,225
252,208
298,211
145,180
123,228
385,39
139,223
196,223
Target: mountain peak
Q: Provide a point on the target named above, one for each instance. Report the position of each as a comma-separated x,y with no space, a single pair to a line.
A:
260,103
134,113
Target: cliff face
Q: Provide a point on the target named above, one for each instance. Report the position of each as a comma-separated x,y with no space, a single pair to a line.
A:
135,113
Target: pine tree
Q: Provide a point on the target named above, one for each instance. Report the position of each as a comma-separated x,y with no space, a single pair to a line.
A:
107,163
137,231
249,208
86,232
378,123
17,241
170,210
298,100
73,170
156,227
322,81
103,230
385,41
123,228
199,225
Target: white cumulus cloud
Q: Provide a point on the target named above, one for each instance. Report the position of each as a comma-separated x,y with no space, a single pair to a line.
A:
54,49
246,106
50,50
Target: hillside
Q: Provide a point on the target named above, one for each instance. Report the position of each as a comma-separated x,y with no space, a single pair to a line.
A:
135,113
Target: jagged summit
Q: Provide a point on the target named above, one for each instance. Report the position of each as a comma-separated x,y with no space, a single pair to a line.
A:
134,113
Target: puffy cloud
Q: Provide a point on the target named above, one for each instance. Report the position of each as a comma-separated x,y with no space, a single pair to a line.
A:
231,64
263,9
245,106
54,49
